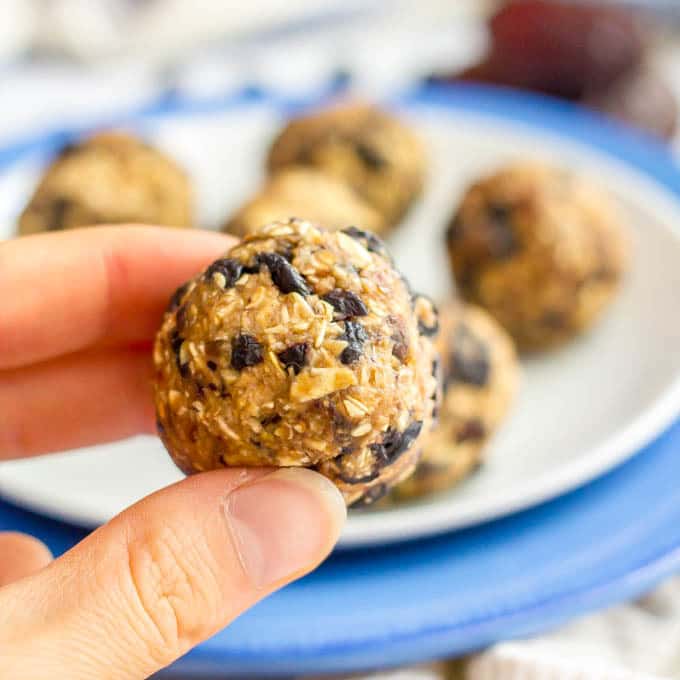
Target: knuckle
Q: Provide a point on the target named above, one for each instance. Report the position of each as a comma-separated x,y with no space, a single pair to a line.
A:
15,433
173,590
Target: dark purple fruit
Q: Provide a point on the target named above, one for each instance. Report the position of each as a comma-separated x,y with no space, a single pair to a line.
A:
345,303
245,351
284,276
230,269
356,336
295,356
560,48
565,49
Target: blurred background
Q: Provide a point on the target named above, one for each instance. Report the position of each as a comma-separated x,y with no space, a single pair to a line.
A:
62,61
69,62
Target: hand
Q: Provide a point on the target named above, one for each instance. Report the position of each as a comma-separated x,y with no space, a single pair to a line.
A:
78,313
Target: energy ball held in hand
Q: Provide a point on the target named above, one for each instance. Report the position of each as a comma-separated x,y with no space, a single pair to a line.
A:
479,373
380,158
301,347
110,178
542,250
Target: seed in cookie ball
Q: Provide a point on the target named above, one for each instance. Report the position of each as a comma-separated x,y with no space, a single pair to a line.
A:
541,249
479,374
304,191
300,347
374,153
110,178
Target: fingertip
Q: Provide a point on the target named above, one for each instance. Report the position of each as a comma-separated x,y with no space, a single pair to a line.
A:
193,240
328,497
21,556
284,524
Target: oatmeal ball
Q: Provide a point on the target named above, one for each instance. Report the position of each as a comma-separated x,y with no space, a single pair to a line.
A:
541,249
110,178
304,191
479,374
378,156
299,348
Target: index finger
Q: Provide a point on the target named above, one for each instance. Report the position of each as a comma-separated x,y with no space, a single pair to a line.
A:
67,291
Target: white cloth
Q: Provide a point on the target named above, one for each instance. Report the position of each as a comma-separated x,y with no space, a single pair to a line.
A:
635,640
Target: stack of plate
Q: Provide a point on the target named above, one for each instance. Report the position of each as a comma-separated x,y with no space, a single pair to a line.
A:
579,520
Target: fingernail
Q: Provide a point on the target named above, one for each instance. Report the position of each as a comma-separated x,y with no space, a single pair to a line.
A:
284,523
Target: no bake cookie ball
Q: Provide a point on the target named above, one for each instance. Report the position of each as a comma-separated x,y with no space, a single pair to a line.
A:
301,347
374,153
541,249
305,192
480,374
110,178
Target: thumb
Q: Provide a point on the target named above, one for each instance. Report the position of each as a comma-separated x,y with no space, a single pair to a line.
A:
167,573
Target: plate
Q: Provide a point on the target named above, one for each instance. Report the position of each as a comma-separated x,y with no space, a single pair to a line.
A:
582,410
606,542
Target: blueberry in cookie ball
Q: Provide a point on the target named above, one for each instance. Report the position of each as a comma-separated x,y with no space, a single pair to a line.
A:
300,347
541,249
300,190
377,155
479,373
109,178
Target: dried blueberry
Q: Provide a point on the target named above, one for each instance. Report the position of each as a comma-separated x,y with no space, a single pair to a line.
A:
370,156
436,395
57,213
211,365
286,250
177,296
228,268
355,336
602,274
245,351
424,328
473,430
498,231
284,276
160,427
375,493
553,319
69,149
455,229
400,344
395,443
272,419
370,241
342,425
470,362
181,318
294,356
351,473
345,303
176,341
427,469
